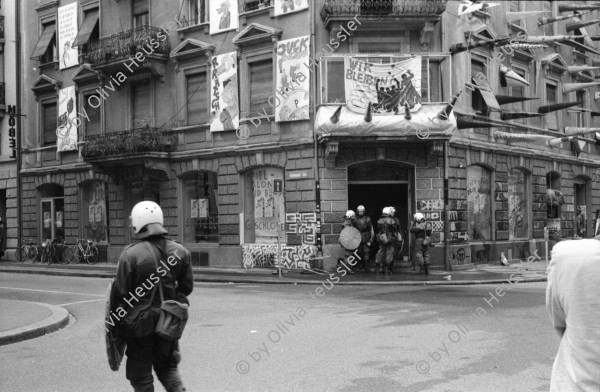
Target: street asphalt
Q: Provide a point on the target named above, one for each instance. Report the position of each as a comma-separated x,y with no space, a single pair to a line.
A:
266,337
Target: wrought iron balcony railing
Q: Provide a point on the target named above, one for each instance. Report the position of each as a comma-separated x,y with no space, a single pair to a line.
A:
130,142
2,93
382,7
127,44
1,26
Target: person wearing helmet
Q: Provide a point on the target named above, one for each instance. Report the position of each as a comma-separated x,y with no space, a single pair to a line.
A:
386,232
397,238
151,261
367,233
349,221
421,232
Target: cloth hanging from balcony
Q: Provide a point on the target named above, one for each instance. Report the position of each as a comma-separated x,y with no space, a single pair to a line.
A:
386,86
42,45
341,121
89,23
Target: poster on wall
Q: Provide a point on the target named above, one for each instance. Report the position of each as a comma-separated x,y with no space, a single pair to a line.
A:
96,226
223,16
283,7
292,81
479,208
224,93
67,31
388,87
66,133
269,210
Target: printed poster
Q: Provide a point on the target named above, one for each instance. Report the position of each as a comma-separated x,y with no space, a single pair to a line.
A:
224,93
292,81
388,87
199,208
283,7
67,31
66,133
223,16
269,208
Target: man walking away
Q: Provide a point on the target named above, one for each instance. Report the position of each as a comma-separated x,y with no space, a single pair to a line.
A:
573,301
138,273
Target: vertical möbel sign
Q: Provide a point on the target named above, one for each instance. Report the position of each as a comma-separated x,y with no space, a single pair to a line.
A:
12,131
224,101
66,133
67,31
292,83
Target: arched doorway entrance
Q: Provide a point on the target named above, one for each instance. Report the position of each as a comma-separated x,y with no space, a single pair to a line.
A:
383,184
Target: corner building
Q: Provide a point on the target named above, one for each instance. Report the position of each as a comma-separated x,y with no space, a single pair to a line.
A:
149,80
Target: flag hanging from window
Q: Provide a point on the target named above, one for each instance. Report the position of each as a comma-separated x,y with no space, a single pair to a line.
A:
224,100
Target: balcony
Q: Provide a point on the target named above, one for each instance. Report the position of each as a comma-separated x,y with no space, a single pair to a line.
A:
118,52
129,145
377,9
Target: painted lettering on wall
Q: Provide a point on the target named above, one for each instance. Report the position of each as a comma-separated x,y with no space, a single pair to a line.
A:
265,255
12,132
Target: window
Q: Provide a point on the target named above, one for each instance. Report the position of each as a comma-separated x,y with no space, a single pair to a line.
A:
52,208
141,104
554,197
577,113
261,87
89,30
197,12
45,49
197,102
477,101
200,210
551,119
262,208
479,207
49,123
518,205
515,6
93,125
333,70
94,213
519,91
141,13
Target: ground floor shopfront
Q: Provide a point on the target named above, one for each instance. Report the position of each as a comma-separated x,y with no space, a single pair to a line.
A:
231,210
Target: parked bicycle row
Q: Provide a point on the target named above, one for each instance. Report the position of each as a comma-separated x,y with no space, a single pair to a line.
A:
56,250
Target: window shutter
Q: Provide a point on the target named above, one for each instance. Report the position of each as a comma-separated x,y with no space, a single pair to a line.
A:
196,99
50,123
141,105
261,87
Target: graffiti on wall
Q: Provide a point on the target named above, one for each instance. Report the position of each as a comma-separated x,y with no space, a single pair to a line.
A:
461,255
265,255
303,224
428,205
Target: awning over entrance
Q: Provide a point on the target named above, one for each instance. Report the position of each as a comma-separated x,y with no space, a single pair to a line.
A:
423,124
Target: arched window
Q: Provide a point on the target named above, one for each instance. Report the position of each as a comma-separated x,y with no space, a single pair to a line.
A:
479,205
518,205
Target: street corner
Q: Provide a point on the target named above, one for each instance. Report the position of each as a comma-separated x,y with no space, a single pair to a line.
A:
23,320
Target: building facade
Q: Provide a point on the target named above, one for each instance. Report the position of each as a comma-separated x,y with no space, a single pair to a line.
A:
237,117
9,120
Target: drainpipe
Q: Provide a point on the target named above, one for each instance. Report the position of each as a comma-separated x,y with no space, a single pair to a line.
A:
313,97
446,208
18,118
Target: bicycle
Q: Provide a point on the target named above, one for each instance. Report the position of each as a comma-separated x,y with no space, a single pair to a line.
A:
89,252
534,257
54,251
27,252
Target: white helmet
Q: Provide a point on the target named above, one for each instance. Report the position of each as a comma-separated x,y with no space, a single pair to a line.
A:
147,213
392,210
350,214
387,211
360,208
418,217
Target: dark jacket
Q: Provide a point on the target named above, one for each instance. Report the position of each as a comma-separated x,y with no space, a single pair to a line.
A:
137,276
365,226
387,225
420,230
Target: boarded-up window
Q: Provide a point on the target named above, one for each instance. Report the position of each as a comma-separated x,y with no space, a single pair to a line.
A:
49,123
479,207
261,87
551,118
518,213
196,98
91,126
264,209
142,113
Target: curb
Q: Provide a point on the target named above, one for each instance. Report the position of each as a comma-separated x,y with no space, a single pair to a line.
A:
58,319
240,279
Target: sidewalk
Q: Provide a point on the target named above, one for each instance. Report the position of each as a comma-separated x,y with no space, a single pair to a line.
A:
482,274
23,320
